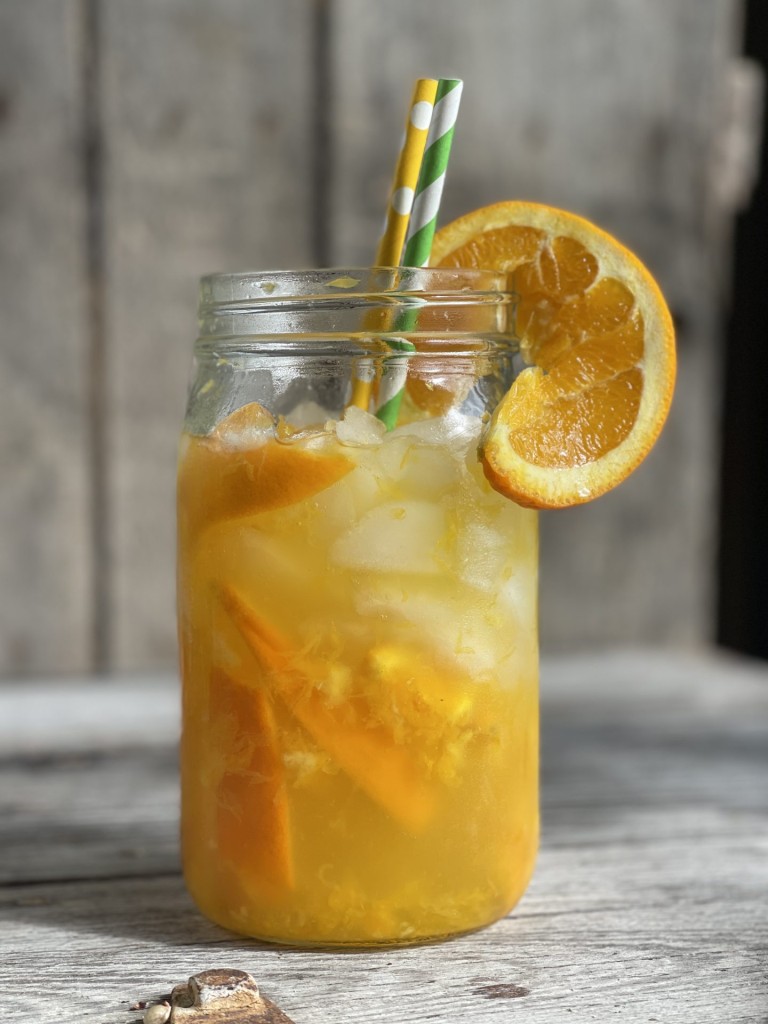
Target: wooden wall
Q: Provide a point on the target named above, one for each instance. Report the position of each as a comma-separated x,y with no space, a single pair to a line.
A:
145,142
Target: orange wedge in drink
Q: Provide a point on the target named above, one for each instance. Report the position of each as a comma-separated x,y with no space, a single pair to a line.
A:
366,751
240,469
599,340
252,814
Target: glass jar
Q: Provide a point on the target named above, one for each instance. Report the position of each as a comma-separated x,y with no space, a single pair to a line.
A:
357,611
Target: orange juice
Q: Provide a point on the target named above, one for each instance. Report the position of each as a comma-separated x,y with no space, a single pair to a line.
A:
359,656
357,611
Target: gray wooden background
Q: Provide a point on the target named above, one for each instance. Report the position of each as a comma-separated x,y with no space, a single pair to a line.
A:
143,142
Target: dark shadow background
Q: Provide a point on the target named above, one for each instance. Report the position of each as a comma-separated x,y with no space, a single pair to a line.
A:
743,563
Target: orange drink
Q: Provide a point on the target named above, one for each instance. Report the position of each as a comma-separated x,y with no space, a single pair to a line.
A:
357,613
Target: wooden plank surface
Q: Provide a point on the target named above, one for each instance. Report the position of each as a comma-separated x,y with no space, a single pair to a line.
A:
207,112
650,899
45,557
609,109
89,774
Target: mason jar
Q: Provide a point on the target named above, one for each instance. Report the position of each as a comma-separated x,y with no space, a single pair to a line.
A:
357,610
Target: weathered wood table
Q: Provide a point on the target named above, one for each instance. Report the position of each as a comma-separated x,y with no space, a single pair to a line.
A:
650,901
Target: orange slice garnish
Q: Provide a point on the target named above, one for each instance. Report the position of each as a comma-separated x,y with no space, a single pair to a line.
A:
599,339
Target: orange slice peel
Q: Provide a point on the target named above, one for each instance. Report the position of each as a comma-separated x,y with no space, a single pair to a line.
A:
599,340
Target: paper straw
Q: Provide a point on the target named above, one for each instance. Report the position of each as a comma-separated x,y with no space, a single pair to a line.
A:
429,187
420,234
406,178
404,183
393,378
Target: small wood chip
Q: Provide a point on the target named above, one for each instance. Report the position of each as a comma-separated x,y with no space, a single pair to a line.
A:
217,997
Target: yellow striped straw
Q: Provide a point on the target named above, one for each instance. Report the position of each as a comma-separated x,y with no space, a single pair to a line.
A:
407,173
390,248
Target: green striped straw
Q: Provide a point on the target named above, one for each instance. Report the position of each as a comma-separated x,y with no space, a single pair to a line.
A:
429,188
418,239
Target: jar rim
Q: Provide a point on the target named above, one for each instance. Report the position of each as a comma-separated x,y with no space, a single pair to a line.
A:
281,286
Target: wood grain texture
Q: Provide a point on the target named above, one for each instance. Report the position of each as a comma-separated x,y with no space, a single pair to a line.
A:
45,556
208,118
650,900
65,716
207,113
611,110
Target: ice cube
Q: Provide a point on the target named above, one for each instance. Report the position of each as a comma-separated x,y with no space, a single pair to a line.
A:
388,460
518,596
340,507
247,427
431,471
307,414
359,428
483,556
454,429
395,536
459,626
496,553
414,465
265,569
279,580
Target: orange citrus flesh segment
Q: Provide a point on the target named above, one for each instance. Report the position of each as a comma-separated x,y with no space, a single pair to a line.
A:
432,398
594,326
252,813
365,751
226,475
